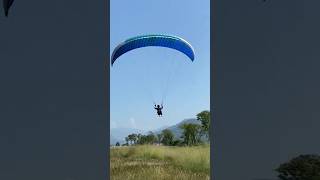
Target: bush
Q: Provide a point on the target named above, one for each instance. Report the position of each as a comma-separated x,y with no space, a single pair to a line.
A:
303,167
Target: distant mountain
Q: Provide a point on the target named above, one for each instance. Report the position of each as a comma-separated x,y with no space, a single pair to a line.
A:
160,129
176,130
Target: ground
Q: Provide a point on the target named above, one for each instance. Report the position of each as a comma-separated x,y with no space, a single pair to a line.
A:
160,163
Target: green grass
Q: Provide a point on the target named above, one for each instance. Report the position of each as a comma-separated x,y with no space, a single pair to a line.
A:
160,162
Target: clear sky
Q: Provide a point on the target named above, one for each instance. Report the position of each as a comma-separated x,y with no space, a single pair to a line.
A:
151,74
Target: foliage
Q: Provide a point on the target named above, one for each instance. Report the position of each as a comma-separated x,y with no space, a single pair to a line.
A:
159,138
167,137
132,138
303,167
141,139
191,133
177,142
204,118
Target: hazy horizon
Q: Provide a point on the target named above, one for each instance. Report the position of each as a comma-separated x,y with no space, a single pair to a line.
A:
156,128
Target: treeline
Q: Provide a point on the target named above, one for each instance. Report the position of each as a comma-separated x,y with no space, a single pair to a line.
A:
192,134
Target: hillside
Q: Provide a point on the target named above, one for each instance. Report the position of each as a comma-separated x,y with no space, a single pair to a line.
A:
176,128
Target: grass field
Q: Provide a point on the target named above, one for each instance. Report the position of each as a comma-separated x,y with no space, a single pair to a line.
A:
160,162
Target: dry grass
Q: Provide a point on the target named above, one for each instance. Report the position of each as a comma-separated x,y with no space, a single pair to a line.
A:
160,162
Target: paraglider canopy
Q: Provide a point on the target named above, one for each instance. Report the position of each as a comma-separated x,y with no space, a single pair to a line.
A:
168,41
156,40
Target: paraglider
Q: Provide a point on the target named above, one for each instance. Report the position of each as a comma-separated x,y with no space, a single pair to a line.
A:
6,6
159,109
157,40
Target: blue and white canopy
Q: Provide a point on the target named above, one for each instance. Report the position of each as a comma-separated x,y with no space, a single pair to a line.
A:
160,40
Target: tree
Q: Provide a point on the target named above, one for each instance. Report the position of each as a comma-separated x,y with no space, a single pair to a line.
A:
138,136
167,137
191,133
143,139
177,142
159,138
204,118
117,144
130,139
303,167
134,138
151,138
127,140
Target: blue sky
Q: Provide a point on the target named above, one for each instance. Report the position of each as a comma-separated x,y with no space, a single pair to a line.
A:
141,76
